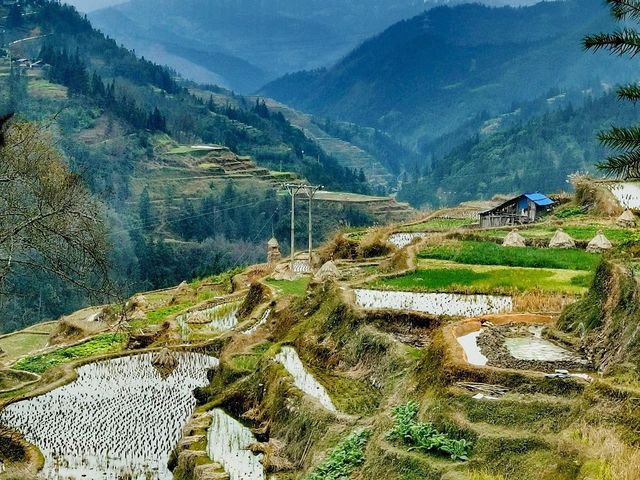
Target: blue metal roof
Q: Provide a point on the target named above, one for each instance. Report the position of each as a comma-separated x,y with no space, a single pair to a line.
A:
539,199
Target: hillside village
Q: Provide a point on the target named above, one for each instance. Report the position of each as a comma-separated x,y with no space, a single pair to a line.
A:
429,349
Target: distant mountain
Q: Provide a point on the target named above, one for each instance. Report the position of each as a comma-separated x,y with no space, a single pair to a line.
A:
424,77
242,44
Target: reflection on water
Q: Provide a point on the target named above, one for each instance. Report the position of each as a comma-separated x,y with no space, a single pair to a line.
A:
228,444
303,379
119,417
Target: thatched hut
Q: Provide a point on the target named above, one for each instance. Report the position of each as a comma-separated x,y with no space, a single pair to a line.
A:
627,219
561,240
165,362
599,244
514,239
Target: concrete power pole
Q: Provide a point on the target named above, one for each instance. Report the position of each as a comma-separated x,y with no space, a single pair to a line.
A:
293,189
311,192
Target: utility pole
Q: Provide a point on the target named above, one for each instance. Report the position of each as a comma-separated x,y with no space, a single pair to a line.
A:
311,192
293,189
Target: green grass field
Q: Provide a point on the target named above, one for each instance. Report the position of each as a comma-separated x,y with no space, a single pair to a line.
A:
100,345
287,287
585,233
489,253
441,277
437,225
20,344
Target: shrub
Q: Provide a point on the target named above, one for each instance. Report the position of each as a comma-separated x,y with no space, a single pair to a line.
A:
424,436
343,460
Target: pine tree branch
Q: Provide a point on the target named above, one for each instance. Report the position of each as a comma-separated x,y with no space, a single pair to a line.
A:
625,9
629,92
621,138
622,42
626,165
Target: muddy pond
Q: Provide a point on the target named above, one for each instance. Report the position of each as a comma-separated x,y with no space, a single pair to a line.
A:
517,346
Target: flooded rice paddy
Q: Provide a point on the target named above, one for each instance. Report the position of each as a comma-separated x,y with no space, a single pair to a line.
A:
262,321
472,352
215,319
228,444
302,379
435,303
119,419
401,240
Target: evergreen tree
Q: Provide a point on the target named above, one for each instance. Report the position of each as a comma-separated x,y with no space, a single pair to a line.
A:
626,41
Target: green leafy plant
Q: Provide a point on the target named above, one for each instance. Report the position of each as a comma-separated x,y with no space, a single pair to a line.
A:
425,436
343,460
100,345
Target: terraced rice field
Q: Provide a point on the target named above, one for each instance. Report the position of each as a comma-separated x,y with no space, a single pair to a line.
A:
21,344
118,418
489,253
434,303
228,443
442,276
302,379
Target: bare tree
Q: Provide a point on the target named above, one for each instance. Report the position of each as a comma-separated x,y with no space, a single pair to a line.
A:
48,220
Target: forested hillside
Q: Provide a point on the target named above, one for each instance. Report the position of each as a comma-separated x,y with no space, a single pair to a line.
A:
120,120
424,77
533,155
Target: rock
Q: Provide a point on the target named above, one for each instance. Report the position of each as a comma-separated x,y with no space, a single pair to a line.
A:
626,220
599,244
514,239
561,240
328,271
212,471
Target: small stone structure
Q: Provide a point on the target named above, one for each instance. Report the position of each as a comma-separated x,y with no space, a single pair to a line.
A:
626,220
561,240
514,239
599,244
273,251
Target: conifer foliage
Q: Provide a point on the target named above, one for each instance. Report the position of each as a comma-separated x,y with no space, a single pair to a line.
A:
626,41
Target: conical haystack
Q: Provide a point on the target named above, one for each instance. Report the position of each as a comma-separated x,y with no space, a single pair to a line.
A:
561,240
165,362
514,239
599,244
283,272
626,220
328,271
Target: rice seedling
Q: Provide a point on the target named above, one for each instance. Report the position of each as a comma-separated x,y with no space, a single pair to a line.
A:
302,378
228,443
119,419
434,303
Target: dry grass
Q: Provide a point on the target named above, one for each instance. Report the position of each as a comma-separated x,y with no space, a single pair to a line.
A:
537,301
615,459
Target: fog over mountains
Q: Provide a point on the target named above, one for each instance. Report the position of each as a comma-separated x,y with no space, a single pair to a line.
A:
243,44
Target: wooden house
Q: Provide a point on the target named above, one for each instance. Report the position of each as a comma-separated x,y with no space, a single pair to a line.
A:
523,209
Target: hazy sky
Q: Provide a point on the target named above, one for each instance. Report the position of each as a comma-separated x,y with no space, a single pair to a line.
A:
90,5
